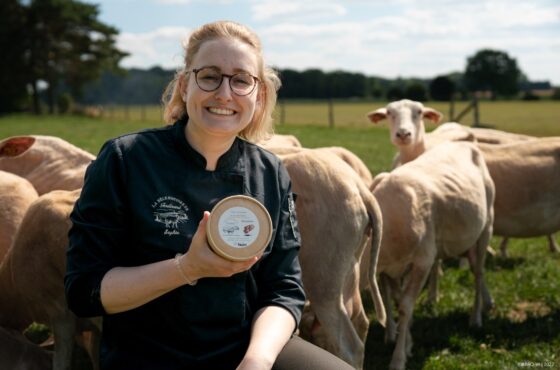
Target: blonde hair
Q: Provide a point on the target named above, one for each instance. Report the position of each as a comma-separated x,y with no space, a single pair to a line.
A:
261,126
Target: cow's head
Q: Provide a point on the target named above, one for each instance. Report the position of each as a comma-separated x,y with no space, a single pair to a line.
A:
406,120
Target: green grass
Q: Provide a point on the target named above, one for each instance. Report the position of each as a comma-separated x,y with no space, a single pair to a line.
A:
86,133
540,118
525,323
523,326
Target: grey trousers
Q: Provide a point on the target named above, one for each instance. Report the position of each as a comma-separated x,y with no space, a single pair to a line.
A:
299,354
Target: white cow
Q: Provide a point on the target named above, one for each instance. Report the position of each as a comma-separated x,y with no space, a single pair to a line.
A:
409,135
437,206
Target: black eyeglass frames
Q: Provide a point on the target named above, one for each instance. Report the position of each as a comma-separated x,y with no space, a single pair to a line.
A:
210,79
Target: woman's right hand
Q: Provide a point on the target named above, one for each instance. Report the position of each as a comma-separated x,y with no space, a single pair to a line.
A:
200,261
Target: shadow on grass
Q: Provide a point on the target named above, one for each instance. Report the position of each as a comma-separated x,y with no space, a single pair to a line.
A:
492,263
503,263
451,332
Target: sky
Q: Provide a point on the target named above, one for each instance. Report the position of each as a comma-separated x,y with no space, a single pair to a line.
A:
389,38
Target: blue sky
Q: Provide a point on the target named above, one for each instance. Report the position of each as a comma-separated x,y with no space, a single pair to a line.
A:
398,38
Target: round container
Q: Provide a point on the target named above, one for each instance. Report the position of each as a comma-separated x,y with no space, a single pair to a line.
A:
239,228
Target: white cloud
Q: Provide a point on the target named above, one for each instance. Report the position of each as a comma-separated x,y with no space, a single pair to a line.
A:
162,46
185,2
294,9
389,39
173,2
421,41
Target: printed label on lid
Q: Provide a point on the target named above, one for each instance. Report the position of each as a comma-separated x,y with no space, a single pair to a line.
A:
238,227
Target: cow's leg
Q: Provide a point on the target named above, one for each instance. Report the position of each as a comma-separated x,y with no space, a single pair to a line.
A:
503,247
552,244
390,326
343,340
416,280
487,301
333,328
64,330
433,282
90,338
354,304
483,299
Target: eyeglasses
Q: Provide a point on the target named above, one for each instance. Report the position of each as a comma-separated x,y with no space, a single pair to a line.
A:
209,79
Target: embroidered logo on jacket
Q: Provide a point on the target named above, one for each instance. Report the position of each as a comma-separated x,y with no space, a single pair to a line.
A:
171,212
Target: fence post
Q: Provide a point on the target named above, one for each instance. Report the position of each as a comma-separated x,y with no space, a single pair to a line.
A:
451,108
282,112
476,112
331,113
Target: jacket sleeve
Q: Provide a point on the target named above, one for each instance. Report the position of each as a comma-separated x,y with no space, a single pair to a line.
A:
278,276
97,235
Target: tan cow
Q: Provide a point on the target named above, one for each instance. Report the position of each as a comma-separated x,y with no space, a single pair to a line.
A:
437,206
527,178
16,194
280,141
346,155
32,277
18,353
453,131
48,162
335,212
500,159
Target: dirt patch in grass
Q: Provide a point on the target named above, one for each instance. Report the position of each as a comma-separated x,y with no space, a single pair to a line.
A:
526,309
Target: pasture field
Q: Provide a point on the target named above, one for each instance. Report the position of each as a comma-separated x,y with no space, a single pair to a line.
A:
522,331
540,118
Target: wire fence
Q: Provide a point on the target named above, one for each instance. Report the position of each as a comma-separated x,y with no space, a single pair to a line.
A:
329,112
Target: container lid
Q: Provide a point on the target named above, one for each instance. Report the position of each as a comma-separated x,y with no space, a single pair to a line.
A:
239,228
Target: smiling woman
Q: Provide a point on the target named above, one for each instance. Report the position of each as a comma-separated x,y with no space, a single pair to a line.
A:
139,254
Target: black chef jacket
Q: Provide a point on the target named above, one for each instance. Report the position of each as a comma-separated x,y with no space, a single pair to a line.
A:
142,200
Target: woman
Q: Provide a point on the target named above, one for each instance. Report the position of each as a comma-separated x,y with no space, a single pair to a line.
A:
167,300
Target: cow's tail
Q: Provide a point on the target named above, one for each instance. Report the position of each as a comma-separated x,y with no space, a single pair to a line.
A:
376,222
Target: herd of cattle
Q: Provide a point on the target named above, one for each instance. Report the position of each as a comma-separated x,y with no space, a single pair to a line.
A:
449,192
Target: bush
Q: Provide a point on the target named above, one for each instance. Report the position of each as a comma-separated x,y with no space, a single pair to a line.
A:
416,91
64,103
395,93
529,96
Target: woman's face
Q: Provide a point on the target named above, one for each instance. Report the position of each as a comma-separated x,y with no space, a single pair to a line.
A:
221,112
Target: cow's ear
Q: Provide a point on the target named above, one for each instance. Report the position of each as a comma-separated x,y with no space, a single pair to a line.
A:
377,115
14,146
432,114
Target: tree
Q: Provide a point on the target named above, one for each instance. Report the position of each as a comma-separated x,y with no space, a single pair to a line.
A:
556,94
13,75
394,93
416,91
494,71
67,45
442,88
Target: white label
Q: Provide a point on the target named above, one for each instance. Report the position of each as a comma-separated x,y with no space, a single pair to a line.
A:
238,227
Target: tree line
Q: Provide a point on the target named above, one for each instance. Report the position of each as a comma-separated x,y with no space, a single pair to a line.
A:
145,86
50,48
57,53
